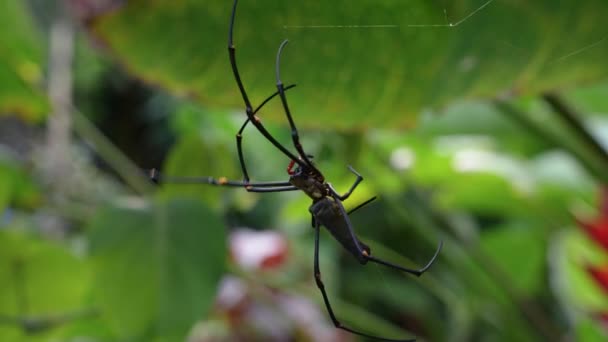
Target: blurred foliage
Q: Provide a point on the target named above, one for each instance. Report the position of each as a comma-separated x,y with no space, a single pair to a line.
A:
153,254
489,168
21,59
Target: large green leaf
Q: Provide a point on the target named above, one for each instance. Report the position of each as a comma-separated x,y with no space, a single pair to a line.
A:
157,266
39,280
359,76
20,63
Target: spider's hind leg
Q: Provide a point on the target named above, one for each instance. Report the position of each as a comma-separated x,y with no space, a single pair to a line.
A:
364,254
330,311
416,272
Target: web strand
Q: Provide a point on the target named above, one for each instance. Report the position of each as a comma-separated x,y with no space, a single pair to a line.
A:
337,26
354,26
579,51
449,24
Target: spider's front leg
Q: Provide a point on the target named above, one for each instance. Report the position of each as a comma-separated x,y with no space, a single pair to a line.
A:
355,184
250,112
239,135
295,137
352,187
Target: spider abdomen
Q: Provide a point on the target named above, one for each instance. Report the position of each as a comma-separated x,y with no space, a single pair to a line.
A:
330,213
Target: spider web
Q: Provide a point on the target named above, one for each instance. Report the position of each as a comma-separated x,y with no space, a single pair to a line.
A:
352,26
477,11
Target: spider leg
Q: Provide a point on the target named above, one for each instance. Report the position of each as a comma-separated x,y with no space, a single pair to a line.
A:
294,131
352,187
330,311
251,187
248,108
367,255
279,186
417,272
361,205
239,135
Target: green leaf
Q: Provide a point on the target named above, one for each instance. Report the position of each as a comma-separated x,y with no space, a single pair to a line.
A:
589,330
38,279
157,265
210,161
20,64
359,76
525,270
590,99
16,187
481,193
484,121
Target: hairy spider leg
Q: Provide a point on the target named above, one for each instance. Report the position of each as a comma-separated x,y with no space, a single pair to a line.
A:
248,108
330,311
295,137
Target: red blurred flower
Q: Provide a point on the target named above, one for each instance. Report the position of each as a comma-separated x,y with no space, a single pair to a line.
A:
598,227
600,274
597,230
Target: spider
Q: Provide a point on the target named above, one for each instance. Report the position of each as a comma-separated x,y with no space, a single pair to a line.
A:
326,210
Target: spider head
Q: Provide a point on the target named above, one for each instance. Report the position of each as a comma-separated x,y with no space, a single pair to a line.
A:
296,169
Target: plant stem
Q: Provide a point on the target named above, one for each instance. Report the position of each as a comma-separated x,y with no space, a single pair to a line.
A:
521,118
571,118
111,154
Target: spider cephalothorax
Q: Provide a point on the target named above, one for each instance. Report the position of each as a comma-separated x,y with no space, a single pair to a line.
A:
308,180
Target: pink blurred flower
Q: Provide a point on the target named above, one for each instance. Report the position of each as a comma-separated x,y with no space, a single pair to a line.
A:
258,250
248,310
